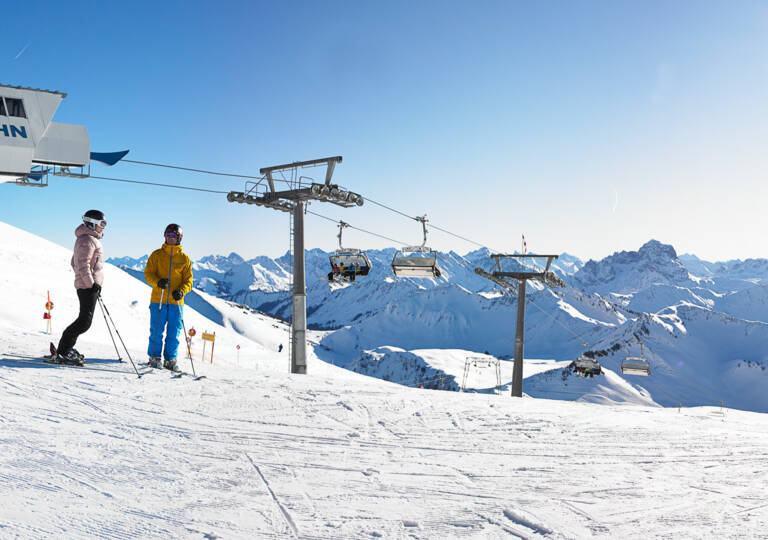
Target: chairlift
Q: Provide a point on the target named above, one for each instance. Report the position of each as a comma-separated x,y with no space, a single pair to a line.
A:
636,365
586,367
416,261
348,263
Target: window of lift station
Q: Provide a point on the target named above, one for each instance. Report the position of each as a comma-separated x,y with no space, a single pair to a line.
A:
12,107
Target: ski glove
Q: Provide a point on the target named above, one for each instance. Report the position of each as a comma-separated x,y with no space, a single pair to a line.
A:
163,283
177,295
97,289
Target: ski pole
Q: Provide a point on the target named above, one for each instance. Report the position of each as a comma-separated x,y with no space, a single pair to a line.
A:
168,298
104,307
101,305
160,308
189,351
157,322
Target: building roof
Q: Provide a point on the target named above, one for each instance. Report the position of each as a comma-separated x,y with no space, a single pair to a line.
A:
62,94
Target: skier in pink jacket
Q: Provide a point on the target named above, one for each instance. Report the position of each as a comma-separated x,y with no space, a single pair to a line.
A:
88,264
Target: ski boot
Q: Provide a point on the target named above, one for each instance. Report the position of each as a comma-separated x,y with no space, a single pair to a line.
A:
155,362
72,358
171,365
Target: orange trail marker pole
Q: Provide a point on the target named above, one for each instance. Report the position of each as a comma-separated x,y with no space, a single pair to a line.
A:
47,315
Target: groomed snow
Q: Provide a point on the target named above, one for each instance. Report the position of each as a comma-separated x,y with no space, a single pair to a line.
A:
254,452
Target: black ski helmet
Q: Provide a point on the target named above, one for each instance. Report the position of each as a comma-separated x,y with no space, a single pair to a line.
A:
94,218
175,229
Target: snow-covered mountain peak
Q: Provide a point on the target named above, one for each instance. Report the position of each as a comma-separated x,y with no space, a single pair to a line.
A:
632,271
219,262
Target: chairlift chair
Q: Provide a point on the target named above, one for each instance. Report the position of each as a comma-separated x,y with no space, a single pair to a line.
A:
416,261
587,367
636,365
348,263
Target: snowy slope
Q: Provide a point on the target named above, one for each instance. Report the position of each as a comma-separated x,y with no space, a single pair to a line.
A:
696,357
254,452
32,267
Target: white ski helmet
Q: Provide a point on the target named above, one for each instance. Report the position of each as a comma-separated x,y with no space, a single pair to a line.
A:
94,218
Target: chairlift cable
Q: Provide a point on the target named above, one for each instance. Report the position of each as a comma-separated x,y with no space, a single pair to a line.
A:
189,169
357,228
157,184
367,199
174,186
233,175
461,237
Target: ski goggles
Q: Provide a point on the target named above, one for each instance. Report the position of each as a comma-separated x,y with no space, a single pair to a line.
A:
97,222
171,234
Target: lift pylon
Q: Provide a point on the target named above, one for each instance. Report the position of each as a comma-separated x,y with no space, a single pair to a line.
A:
501,278
301,190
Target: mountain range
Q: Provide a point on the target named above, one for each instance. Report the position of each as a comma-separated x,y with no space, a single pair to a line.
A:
701,325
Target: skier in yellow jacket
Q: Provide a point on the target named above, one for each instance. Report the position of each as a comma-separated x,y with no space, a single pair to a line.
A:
169,272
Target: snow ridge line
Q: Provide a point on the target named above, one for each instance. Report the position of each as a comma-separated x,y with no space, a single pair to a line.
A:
274,498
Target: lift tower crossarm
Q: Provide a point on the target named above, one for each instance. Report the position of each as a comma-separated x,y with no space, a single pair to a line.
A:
297,164
330,161
546,277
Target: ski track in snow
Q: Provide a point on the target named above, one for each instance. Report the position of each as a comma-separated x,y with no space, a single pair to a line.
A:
255,452
249,453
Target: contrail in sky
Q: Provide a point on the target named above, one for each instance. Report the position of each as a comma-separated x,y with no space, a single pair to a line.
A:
22,51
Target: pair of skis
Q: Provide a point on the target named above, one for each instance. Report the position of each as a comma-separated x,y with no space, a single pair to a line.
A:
176,373
37,360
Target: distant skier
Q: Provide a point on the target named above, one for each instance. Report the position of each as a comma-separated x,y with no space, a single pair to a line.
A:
169,272
280,348
88,264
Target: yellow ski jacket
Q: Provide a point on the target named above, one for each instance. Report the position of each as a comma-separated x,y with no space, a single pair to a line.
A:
158,264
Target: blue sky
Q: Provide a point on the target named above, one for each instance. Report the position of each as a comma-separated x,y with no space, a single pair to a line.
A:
590,127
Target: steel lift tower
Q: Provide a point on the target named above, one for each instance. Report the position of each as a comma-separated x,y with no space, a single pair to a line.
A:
293,200
499,277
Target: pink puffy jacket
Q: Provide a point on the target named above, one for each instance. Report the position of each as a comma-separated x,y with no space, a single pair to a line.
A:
88,258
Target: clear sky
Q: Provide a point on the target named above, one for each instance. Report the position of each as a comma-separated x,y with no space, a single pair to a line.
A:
590,127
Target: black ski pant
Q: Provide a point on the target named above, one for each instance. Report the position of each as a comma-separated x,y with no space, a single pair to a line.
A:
88,298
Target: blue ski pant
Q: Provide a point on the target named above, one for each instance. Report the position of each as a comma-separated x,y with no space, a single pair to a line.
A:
166,319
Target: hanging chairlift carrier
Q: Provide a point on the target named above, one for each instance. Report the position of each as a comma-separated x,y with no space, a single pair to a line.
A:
349,263
634,365
416,261
587,366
